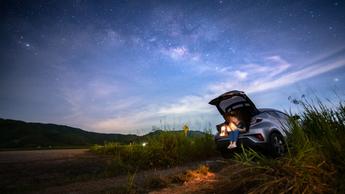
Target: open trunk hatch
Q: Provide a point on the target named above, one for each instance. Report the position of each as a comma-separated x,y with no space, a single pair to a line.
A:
233,100
236,100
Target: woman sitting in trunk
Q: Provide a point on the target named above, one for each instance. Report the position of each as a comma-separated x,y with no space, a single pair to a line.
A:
237,121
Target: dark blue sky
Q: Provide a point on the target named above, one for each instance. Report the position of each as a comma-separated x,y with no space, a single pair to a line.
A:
124,66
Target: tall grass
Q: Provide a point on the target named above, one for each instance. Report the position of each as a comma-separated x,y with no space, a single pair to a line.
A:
315,161
169,148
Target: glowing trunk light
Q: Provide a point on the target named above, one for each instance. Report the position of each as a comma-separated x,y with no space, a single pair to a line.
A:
222,131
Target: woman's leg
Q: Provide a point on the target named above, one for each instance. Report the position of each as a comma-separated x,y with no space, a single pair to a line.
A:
235,136
231,139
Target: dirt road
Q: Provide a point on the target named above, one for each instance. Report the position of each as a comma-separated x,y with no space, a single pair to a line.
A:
40,155
79,171
27,171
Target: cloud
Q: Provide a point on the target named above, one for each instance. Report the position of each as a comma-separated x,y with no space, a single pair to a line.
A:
192,60
100,88
124,123
188,104
280,65
295,76
137,119
241,75
271,66
189,109
150,115
264,77
113,38
180,53
87,100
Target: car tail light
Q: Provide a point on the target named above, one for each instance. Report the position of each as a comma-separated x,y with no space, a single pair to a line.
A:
259,137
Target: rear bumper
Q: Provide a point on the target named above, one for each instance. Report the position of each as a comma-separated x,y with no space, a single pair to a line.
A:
223,143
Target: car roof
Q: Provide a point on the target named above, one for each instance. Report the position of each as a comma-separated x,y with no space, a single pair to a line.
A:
270,110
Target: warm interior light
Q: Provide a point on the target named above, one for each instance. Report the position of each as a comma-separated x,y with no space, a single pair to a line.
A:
223,131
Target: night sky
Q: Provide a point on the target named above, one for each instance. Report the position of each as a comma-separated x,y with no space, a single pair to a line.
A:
125,66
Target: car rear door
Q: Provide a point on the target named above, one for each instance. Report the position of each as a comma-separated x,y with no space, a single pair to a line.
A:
234,100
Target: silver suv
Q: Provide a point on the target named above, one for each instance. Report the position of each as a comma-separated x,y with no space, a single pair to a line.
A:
267,131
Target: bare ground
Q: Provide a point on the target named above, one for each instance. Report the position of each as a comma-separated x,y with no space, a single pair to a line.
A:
79,171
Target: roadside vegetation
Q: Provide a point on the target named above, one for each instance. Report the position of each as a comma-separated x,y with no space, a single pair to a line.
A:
166,149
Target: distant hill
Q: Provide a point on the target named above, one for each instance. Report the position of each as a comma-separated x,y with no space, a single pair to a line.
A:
20,134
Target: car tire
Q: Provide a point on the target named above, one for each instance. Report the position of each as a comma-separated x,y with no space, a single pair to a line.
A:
277,144
226,153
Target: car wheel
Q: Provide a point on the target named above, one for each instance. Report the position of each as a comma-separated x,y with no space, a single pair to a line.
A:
226,153
277,144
